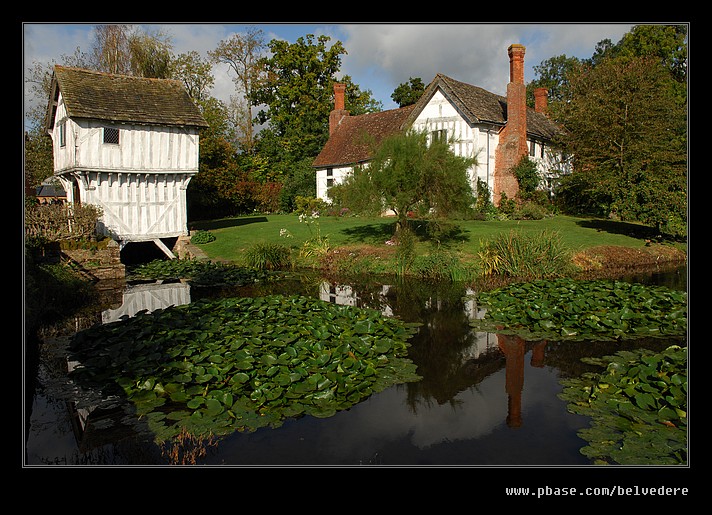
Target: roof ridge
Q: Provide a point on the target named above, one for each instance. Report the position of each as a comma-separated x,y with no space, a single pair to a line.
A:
113,75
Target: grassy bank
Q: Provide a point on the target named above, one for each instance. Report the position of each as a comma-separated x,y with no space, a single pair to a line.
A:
354,239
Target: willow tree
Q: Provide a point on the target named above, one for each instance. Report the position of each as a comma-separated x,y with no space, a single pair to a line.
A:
409,173
129,50
242,53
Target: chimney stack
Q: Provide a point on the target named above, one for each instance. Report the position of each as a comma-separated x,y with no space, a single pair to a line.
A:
513,137
339,111
516,63
541,100
517,96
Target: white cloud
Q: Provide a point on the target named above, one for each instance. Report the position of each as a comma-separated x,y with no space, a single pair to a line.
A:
46,43
388,54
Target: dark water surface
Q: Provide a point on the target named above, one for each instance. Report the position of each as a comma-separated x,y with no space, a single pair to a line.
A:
485,399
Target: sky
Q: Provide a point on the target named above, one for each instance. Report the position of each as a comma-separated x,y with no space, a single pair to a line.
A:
380,56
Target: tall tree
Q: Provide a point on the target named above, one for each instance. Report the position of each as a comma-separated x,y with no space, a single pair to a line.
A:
129,50
358,101
150,54
668,43
111,51
297,94
38,164
627,132
242,53
195,74
552,74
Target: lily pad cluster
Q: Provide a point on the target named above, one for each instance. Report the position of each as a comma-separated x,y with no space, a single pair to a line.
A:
216,366
638,405
572,309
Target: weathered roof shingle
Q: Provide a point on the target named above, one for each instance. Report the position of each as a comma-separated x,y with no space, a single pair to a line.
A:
122,98
354,139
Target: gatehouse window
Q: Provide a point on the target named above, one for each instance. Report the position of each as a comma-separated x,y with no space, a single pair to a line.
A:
111,135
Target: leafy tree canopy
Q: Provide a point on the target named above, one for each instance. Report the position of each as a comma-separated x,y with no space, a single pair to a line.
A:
296,96
409,92
627,131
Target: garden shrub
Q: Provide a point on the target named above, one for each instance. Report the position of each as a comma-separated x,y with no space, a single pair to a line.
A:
200,237
269,256
309,205
530,211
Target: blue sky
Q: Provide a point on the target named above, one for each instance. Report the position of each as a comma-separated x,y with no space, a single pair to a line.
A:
380,56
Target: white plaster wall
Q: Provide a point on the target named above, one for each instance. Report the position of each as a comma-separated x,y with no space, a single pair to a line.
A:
338,176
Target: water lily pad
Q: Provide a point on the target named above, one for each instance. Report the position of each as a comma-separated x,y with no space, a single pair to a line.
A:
243,363
577,310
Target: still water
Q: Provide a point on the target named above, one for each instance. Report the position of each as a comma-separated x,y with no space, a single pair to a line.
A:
484,399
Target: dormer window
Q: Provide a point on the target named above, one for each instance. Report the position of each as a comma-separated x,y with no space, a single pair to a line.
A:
111,135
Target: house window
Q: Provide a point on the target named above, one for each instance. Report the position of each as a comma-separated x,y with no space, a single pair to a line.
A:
111,135
329,172
439,135
329,183
532,148
62,134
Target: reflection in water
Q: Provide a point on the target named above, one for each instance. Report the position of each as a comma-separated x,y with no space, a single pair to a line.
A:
93,420
136,298
149,297
483,399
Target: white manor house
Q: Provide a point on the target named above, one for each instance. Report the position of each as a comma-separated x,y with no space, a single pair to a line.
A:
496,130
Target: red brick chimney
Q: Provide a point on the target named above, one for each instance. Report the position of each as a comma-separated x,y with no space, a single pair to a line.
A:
541,100
339,112
513,137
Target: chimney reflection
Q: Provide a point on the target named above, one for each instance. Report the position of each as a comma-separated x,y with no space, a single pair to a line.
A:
514,348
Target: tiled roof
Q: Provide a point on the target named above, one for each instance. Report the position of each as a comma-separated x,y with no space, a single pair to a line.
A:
347,145
354,139
121,98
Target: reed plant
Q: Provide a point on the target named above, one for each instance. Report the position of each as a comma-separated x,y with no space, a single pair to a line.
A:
525,255
269,256
443,265
405,252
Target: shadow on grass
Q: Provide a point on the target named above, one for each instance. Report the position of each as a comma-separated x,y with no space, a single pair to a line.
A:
625,228
372,233
426,230
222,223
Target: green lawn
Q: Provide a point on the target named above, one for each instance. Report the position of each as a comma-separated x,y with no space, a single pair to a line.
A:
235,235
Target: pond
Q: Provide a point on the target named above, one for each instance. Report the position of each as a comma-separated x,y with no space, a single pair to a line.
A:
484,399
